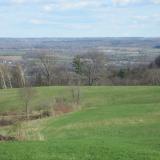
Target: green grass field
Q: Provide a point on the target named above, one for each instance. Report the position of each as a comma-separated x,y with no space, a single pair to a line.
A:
115,123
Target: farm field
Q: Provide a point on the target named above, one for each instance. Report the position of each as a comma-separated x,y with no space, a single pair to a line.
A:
114,123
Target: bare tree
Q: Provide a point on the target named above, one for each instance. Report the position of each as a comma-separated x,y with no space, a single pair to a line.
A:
27,94
47,63
8,75
75,92
152,76
2,77
94,66
19,75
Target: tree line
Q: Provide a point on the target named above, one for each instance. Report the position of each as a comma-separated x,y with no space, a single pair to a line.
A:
88,69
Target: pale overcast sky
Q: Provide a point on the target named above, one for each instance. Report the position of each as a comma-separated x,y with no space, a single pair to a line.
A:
80,18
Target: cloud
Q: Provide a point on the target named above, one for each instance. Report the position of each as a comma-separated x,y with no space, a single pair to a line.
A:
81,26
25,2
149,18
156,1
126,2
72,5
18,1
70,26
38,21
79,4
141,18
48,7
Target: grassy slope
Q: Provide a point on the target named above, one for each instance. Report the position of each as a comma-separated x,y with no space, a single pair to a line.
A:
118,123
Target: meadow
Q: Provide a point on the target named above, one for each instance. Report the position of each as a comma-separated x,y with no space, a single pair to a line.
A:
114,123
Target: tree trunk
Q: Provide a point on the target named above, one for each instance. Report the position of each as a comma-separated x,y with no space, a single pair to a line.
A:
4,86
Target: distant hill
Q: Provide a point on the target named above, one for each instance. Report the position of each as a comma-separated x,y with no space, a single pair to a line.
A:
30,43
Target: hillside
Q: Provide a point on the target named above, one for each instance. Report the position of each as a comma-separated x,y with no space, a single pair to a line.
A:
115,123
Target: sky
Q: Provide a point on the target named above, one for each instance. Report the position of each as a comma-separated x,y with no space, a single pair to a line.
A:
79,18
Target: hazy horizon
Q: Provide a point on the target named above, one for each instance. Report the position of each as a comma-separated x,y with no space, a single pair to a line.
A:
76,37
